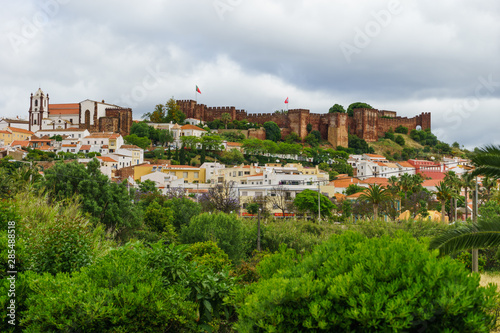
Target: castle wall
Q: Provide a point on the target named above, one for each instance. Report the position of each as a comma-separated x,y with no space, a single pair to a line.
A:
368,124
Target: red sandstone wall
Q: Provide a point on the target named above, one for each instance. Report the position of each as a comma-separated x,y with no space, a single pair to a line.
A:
366,123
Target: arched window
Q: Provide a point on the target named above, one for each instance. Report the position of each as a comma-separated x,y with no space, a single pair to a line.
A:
36,102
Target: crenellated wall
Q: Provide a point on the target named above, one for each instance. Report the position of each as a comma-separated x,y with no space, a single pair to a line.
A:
368,124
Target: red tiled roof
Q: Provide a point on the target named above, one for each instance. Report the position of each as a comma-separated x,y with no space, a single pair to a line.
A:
376,180
22,143
192,127
130,147
106,159
344,182
405,164
104,135
354,196
5,132
375,155
68,145
69,108
20,130
431,182
85,147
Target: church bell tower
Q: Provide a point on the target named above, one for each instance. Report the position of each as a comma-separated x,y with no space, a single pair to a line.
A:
39,110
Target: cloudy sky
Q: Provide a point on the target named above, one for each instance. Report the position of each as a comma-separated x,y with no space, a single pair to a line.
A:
411,57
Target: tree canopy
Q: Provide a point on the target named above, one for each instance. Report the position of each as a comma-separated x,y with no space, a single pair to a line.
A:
273,131
337,108
357,105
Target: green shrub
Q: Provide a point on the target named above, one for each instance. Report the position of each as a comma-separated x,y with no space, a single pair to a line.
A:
58,237
208,254
224,229
465,257
352,283
119,293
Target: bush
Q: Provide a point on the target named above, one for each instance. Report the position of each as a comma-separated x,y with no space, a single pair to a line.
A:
131,289
355,284
119,293
58,237
401,129
208,254
224,229
399,140
183,209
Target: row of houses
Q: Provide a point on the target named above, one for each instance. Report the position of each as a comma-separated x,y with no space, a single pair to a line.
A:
373,165
114,153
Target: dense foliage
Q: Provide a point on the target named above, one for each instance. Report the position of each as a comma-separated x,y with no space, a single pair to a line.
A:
358,284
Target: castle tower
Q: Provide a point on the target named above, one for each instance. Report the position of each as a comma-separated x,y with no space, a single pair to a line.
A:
39,110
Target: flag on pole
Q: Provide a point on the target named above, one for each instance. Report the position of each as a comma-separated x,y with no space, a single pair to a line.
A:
198,90
286,100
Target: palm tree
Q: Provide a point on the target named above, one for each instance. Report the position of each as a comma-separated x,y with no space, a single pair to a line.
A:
375,195
486,233
225,117
487,161
443,194
467,183
455,183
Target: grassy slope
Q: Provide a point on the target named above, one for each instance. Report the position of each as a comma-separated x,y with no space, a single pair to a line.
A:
384,146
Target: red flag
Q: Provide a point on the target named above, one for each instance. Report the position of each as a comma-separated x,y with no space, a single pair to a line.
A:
198,90
286,100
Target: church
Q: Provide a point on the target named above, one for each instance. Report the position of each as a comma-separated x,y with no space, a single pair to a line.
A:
91,115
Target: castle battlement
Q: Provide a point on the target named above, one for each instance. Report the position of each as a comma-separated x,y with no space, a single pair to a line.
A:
368,124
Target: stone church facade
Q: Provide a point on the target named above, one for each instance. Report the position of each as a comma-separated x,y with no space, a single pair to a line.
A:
88,114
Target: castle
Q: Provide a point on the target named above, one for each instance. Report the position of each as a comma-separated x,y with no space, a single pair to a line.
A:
91,115
368,124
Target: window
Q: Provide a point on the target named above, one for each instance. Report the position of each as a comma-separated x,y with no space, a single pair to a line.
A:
196,175
244,193
184,175
240,173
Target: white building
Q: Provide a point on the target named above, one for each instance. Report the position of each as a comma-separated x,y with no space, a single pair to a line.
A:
211,169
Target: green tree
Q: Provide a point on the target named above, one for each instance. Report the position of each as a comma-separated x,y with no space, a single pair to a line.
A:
253,146
357,105
309,128
292,138
353,188
160,219
375,195
224,229
174,112
157,116
307,201
148,186
399,140
337,108
140,129
225,118
233,156
401,129
183,209
273,132
444,193
352,283
311,140
105,201
211,142
142,142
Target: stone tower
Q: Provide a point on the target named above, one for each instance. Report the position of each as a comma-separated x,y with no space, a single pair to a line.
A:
39,110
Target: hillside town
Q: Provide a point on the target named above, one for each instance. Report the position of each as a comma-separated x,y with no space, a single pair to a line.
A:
73,131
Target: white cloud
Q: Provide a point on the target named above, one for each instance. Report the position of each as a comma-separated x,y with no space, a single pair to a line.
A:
253,54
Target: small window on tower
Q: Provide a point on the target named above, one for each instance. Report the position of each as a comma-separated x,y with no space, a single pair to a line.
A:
36,102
